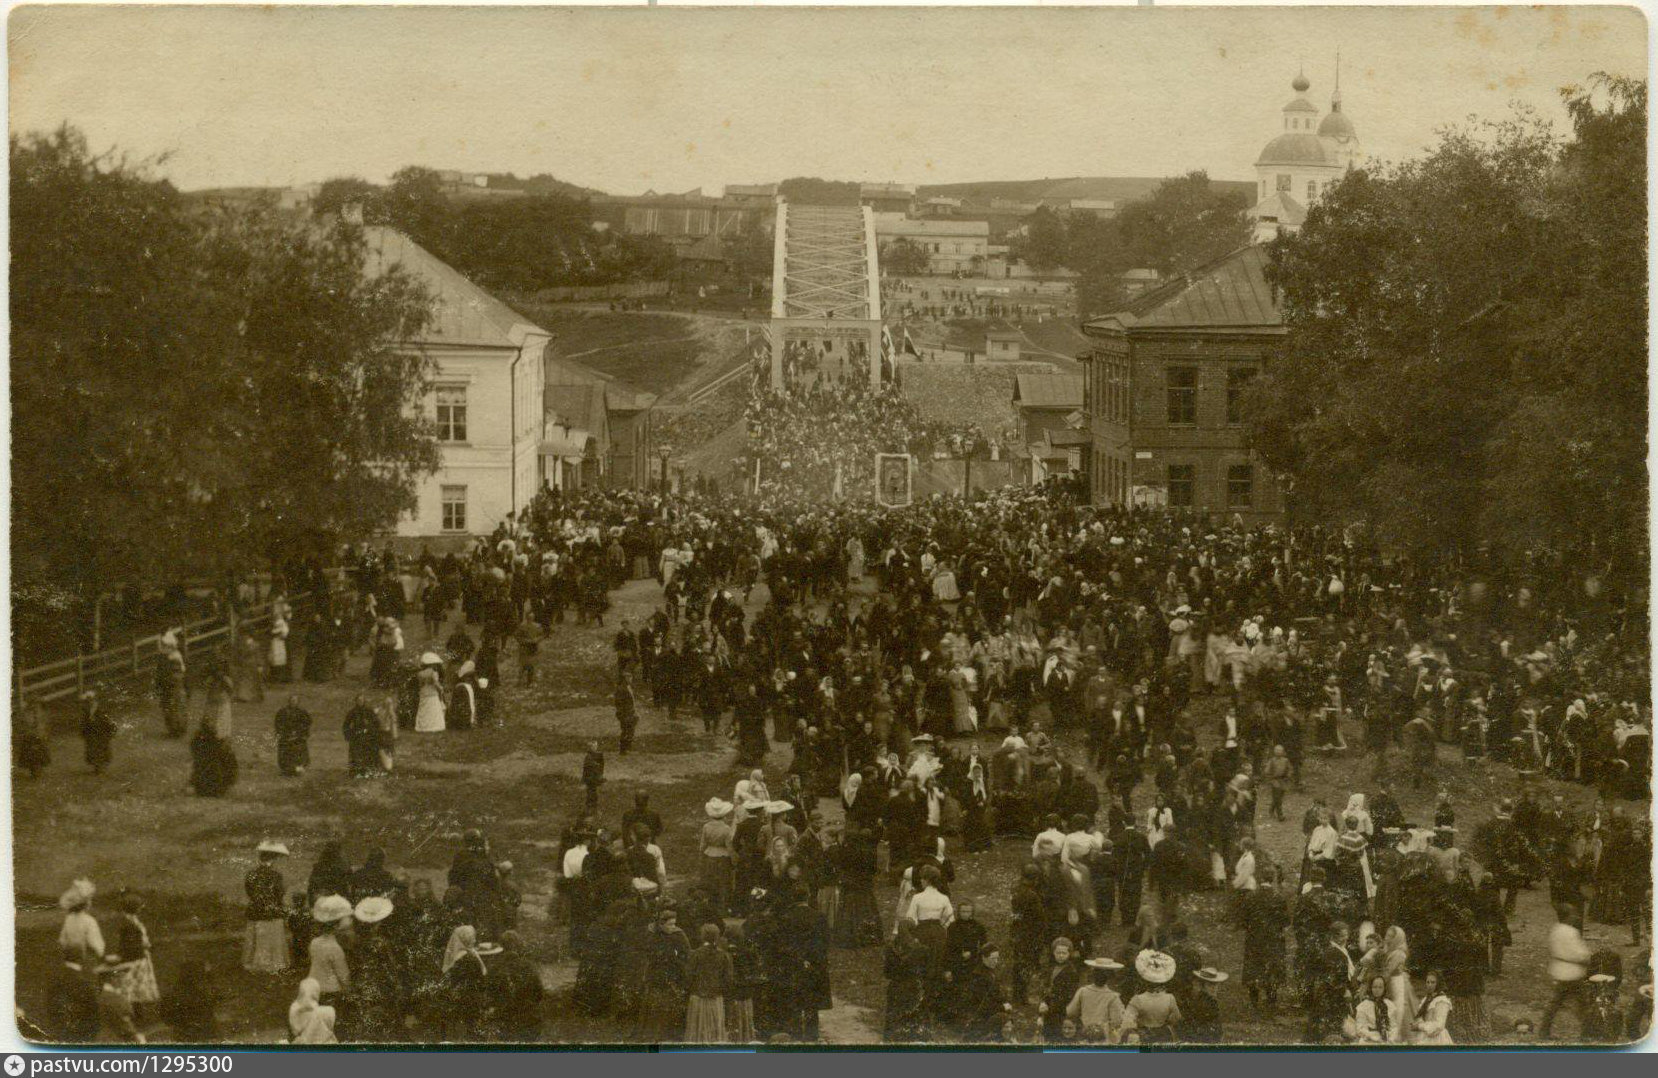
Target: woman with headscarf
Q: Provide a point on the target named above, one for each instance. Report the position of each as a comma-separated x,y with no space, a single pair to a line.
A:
1376,1020
277,654
1394,966
464,996
80,939
1355,817
977,830
309,1021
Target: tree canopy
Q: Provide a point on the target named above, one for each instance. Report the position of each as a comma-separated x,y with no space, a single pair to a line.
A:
1466,357
193,390
1185,222
522,243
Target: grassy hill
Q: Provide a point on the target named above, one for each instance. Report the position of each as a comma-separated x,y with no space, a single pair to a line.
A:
1119,188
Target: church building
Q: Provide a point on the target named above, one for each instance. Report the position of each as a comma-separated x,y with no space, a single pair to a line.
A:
1301,163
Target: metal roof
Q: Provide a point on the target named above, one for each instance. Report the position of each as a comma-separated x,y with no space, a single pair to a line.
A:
465,313
1048,391
1230,292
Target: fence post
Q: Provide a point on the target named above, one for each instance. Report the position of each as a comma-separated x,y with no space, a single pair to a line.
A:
80,674
135,658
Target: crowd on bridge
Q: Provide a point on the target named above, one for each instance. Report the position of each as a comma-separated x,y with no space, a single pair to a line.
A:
1127,694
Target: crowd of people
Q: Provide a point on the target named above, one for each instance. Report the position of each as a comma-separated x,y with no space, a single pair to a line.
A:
960,675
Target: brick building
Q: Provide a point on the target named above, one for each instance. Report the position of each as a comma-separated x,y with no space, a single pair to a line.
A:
1163,391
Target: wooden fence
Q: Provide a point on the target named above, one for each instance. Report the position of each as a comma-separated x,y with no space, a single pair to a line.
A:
596,292
135,662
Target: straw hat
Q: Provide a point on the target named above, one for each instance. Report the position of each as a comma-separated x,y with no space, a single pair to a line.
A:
1154,967
373,909
79,894
430,658
715,808
922,739
1601,978
775,807
1210,974
270,846
642,886
331,909
1102,963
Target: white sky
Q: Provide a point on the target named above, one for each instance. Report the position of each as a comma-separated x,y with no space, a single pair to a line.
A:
671,99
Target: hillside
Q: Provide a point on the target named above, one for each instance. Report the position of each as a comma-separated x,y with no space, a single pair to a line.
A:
1118,188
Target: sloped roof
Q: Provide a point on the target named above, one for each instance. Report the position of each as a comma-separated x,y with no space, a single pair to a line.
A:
707,249
1048,391
1228,293
1282,208
576,405
465,313
1296,148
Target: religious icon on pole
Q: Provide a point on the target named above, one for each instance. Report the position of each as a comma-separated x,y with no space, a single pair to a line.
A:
892,479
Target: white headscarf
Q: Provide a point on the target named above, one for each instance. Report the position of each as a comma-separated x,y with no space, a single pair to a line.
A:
463,941
308,1020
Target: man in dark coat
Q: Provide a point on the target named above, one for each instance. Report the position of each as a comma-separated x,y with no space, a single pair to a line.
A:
592,774
805,949
293,735
627,712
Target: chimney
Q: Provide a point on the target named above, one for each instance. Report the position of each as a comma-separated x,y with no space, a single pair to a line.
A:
352,213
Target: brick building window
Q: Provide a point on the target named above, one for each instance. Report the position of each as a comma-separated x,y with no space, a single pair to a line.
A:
1240,486
1182,485
453,504
1237,381
1182,391
451,401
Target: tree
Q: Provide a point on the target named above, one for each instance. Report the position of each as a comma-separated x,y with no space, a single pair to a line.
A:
335,194
813,191
1466,354
905,258
194,392
1185,223
1044,243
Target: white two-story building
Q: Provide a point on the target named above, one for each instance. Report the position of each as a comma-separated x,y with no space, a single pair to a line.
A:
486,399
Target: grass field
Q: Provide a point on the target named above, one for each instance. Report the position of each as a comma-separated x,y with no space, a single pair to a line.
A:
648,351
137,826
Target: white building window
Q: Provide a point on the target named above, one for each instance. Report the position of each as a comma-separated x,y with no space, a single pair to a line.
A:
451,401
1312,190
453,503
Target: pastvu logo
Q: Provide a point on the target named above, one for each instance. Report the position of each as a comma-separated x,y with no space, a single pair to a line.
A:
14,1065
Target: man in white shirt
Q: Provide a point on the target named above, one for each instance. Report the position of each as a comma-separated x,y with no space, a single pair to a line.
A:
1569,968
574,858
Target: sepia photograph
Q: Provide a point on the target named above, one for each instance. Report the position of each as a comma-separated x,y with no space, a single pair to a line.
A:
784,528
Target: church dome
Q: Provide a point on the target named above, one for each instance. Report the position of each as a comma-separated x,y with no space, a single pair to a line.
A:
1337,126
1295,149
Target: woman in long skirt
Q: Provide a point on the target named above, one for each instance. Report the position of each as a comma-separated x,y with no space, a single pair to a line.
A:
709,974
747,978
134,977
429,718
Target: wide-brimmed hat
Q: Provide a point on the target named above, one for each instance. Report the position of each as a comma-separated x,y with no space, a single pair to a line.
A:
1352,842
1601,978
642,886
372,909
78,894
271,846
922,739
1102,963
1210,974
486,950
1154,967
430,658
716,808
775,807
330,909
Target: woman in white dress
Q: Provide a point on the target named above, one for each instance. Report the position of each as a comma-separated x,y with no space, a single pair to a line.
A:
1432,1013
854,559
1395,958
429,717
1359,814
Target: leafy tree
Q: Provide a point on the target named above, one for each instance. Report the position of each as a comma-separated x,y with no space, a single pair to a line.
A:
1466,359
1044,242
335,194
193,391
905,258
815,192
1186,222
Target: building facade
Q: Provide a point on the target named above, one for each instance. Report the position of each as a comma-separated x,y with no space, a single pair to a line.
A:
486,399
952,246
1164,389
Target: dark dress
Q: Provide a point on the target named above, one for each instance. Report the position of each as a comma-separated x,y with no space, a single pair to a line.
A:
212,764
293,734
905,968
98,731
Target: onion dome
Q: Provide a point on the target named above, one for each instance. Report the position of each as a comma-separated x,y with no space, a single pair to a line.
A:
1296,148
